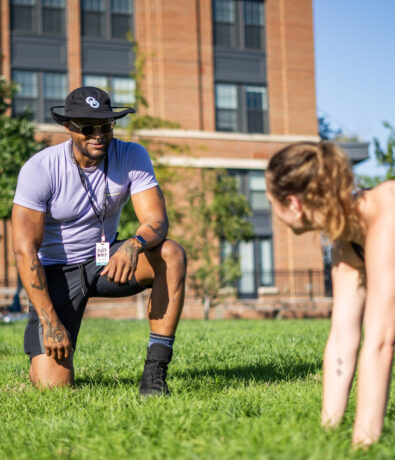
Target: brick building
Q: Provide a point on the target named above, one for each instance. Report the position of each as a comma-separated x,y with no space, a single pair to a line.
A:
237,76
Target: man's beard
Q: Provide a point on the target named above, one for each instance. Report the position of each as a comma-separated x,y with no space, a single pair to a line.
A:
97,158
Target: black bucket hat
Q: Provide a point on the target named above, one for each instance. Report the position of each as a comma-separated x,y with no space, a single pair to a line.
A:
88,102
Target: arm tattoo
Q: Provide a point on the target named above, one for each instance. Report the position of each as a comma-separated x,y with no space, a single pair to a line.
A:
130,250
159,193
160,231
338,370
56,333
38,268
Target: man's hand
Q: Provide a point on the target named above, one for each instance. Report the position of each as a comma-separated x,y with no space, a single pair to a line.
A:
57,342
123,263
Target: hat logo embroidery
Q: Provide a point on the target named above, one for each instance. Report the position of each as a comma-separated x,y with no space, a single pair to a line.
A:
92,102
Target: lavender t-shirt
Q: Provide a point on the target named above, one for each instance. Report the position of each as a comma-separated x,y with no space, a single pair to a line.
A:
50,182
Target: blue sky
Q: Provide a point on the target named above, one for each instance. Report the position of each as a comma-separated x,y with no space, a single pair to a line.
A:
355,67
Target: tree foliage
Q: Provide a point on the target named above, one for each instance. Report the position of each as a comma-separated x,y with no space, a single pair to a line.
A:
17,145
217,212
326,130
384,157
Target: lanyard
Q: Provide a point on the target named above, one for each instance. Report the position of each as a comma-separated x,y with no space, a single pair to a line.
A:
100,215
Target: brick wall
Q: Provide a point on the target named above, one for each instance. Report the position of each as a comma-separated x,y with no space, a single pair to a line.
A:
175,38
290,67
74,44
5,61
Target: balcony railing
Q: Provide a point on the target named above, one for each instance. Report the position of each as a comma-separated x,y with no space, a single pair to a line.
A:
285,283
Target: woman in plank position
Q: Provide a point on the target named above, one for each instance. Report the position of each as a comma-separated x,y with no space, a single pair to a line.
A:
311,187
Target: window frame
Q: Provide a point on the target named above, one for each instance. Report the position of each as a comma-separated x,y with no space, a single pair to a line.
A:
239,26
39,101
258,271
108,22
242,108
38,19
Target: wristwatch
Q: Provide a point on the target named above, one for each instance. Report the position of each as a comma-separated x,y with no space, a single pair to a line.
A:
141,240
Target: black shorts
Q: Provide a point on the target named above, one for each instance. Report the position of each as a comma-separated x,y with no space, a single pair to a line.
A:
70,287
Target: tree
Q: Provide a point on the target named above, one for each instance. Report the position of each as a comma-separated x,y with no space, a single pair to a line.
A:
325,129
217,213
384,157
17,145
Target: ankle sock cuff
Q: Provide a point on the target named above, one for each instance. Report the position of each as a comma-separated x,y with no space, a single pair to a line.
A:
166,340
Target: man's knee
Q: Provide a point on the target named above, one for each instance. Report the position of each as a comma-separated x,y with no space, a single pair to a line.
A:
175,257
46,372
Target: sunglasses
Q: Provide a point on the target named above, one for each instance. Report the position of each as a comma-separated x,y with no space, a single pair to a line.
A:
87,130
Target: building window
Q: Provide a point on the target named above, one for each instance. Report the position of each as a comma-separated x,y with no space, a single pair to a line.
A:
257,191
120,89
38,16
224,23
25,100
256,264
239,24
241,108
256,99
54,91
37,92
93,22
107,19
256,257
254,21
97,81
265,248
54,16
252,184
121,18
23,15
226,105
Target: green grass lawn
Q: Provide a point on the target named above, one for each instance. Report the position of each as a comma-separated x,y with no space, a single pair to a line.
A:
240,390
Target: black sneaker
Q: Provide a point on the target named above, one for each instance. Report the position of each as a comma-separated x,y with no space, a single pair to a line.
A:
153,381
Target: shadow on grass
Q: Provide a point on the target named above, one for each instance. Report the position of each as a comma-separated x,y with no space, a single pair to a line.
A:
99,379
259,372
220,377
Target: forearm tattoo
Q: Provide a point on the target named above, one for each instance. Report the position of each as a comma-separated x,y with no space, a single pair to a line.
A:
161,230
339,364
57,332
129,249
38,270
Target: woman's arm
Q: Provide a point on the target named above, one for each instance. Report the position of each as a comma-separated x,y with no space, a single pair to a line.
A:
375,362
342,346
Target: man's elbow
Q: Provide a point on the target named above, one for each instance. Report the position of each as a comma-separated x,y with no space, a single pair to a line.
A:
23,250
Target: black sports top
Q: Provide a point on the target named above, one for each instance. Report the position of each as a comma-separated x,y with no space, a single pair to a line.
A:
359,250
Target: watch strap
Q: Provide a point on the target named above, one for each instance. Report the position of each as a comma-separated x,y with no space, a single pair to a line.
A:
141,240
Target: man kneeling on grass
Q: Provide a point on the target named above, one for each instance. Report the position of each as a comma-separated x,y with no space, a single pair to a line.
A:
64,221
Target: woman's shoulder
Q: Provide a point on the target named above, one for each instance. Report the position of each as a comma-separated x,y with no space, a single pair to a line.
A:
378,202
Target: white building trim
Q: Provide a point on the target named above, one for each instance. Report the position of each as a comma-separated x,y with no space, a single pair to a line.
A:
194,134
216,135
207,162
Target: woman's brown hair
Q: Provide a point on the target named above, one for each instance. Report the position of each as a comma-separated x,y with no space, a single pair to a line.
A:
320,175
